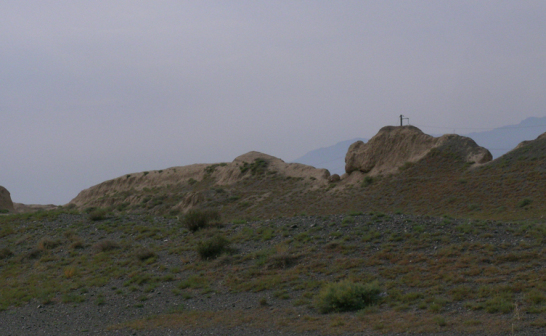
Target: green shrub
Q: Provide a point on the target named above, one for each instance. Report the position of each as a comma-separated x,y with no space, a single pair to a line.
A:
524,202
198,219
499,304
347,296
259,166
4,210
534,296
97,214
213,247
367,181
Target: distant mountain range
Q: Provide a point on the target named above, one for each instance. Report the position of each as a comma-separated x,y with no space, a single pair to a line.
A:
498,141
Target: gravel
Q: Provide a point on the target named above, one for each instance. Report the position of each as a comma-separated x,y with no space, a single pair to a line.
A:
91,318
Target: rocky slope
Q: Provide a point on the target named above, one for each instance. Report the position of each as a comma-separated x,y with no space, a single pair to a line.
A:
66,274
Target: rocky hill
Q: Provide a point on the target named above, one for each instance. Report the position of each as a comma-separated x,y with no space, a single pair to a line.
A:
5,200
393,147
401,169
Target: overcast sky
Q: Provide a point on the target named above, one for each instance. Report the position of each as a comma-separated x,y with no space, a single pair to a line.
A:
91,90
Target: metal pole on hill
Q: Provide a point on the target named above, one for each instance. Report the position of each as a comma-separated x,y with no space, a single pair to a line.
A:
402,120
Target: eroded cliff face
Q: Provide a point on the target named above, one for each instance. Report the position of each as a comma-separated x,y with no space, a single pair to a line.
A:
394,146
5,200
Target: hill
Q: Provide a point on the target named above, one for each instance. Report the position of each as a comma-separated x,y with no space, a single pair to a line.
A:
500,141
367,257
446,177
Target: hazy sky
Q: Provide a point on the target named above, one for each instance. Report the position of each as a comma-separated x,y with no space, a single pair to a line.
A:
91,90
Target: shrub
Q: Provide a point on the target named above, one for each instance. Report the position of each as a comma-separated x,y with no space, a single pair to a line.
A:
347,296
47,243
213,247
5,253
97,214
534,296
69,272
367,181
499,304
77,244
4,211
198,219
259,166
145,254
282,260
105,245
524,202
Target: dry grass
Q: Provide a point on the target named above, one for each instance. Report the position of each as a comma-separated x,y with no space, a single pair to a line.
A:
105,246
47,243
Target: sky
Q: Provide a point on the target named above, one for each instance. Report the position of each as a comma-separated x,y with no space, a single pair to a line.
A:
92,90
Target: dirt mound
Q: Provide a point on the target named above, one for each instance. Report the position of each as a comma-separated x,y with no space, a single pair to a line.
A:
392,147
185,187
5,200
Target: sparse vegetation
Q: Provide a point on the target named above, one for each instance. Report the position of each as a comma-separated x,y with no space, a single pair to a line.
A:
257,167
199,219
97,214
371,247
5,253
347,296
105,246
214,247
524,202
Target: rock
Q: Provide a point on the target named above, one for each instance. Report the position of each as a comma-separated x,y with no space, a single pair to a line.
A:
394,146
5,200
334,178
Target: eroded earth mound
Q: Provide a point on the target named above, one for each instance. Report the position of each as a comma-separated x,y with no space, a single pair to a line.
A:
393,146
182,188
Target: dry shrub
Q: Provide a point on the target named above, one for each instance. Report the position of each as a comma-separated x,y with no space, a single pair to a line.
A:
282,260
32,254
47,243
77,244
145,254
69,272
198,219
105,246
